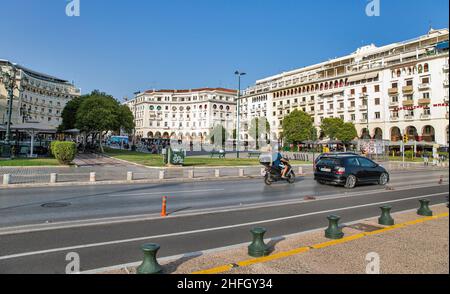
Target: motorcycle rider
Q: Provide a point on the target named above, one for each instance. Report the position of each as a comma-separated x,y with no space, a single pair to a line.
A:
280,163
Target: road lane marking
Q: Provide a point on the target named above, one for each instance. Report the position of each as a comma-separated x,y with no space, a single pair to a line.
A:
134,218
167,193
280,255
236,246
12,256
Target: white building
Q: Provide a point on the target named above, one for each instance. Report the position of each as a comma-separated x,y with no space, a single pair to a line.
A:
396,89
188,115
38,97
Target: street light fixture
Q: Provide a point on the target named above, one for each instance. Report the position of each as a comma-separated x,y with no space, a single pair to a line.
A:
8,78
239,75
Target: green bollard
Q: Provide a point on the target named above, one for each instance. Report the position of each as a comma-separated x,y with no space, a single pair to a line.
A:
150,264
424,209
258,248
334,231
386,218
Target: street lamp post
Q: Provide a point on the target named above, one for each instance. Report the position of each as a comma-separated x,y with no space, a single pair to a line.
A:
239,75
8,78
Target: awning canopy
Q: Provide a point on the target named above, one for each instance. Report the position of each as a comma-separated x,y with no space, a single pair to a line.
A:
356,78
37,127
442,45
361,77
72,131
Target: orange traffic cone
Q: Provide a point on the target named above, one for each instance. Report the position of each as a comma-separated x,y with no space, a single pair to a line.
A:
164,206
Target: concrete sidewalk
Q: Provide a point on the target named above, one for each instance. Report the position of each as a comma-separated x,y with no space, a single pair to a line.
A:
417,247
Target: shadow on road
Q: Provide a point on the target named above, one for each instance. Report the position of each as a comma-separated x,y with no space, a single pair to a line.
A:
273,243
172,267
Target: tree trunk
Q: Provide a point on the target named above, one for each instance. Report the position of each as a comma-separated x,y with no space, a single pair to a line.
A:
101,145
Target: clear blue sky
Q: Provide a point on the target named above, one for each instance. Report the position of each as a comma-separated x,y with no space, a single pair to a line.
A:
122,46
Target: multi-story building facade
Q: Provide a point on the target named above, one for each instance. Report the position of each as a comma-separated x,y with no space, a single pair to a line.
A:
38,97
386,92
188,115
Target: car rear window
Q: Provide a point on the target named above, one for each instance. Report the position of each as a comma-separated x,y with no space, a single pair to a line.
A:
327,161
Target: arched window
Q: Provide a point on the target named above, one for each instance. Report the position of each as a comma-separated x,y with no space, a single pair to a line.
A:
420,69
426,68
399,73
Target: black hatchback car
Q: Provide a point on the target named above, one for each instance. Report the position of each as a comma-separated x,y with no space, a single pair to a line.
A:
349,170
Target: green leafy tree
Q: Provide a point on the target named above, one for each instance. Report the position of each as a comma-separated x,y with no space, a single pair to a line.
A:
347,132
100,113
298,126
69,113
331,127
259,128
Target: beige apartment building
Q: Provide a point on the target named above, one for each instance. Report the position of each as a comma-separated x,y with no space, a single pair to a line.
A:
38,97
387,92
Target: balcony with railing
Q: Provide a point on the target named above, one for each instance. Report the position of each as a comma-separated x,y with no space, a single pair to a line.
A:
362,107
351,108
445,83
408,89
425,116
409,117
445,67
424,101
393,104
407,103
363,120
424,86
393,118
393,91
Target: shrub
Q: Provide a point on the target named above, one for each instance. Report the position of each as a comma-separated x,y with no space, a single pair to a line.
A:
50,147
64,152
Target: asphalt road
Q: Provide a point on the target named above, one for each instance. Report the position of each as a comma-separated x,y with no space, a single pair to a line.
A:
28,206
110,243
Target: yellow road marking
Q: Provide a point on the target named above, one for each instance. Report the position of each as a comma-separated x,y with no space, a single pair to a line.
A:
280,255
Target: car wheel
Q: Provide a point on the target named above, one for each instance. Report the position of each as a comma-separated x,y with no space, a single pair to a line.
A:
321,182
383,180
351,182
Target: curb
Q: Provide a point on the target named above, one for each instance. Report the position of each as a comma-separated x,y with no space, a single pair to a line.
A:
121,182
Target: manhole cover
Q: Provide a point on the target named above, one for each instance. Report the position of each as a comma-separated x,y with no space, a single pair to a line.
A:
55,205
364,227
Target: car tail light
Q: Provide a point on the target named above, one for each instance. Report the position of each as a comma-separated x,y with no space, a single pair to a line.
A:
340,171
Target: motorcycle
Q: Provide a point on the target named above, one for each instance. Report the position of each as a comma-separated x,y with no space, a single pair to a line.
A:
273,174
